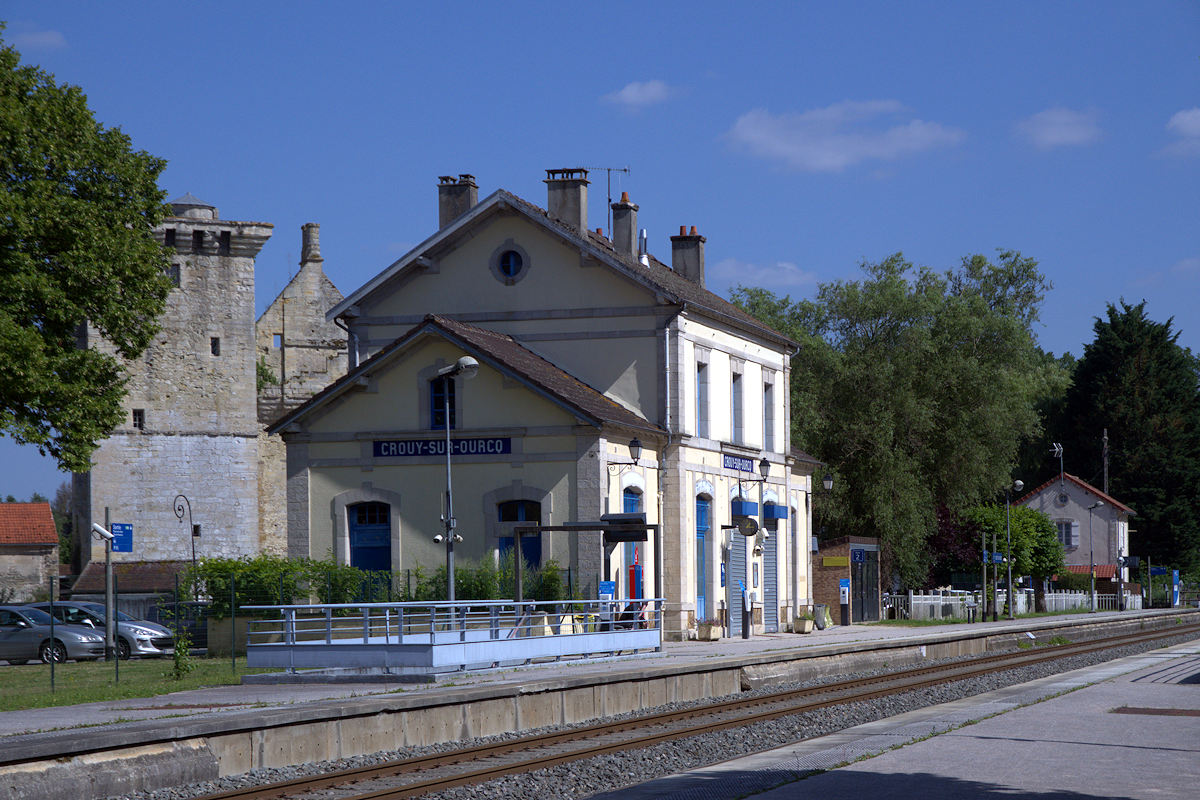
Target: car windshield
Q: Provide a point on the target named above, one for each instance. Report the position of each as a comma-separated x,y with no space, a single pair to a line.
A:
36,616
98,610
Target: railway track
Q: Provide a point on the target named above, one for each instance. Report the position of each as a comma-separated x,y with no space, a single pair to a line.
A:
433,773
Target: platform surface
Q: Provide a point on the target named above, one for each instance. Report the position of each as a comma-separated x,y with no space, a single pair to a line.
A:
1058,738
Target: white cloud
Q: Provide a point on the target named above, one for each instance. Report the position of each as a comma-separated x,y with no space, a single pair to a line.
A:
1186,127
841,135
38,40
1186,268
1059,127
640,94
781,277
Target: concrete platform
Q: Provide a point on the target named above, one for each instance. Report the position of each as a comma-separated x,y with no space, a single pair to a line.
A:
151,743
1056,738
280,693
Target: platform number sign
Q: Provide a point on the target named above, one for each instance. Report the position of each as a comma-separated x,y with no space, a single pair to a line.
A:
858,556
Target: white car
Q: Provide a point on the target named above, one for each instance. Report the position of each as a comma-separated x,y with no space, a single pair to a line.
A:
135,637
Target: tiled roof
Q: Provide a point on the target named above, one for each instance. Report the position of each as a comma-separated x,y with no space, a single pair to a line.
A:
27,523
139,577
800,455
659,275
1082,484
1103,571
504,353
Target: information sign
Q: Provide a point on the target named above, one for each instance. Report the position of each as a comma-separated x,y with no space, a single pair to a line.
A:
858,556
608,588
122,537
408,448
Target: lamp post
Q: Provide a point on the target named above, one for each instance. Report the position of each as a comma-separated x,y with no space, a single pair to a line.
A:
466,367
182,504
1092,549
1016,486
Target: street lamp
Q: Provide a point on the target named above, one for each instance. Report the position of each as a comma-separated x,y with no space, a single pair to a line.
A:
180,507
1092,548
1016,486
467,367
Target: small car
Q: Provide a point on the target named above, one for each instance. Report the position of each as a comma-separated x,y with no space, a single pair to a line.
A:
135,637
25,636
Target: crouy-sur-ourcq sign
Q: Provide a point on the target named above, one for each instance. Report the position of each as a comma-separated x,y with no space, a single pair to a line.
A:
401,448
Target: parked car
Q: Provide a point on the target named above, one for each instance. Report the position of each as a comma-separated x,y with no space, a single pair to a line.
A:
135,637
25,636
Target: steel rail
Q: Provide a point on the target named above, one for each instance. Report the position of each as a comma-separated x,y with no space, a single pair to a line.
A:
780,704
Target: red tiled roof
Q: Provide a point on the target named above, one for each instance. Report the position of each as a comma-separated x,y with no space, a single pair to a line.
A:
1087,487
27,523
1103,571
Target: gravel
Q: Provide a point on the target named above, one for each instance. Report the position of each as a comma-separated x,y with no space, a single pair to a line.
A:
606,773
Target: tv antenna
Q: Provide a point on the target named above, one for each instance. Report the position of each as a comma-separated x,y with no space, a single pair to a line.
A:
610,171
1057,450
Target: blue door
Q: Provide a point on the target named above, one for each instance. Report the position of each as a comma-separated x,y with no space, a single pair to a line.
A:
370,536
522,511
703,509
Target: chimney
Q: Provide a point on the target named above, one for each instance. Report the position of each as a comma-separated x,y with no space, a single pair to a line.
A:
455,197
310,249
687,255
566,196
625,229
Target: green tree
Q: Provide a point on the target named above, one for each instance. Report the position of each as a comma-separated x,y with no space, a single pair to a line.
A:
1036,550
77,205
1139,383
917,387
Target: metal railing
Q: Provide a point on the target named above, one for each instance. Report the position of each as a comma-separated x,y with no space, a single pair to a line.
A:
957,604
432,637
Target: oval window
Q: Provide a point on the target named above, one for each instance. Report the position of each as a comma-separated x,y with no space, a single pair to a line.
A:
511,263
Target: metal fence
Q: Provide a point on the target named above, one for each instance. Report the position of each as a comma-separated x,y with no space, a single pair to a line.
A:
438,637
956,604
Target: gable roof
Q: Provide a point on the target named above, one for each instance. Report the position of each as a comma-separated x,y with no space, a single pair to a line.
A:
1082,484
27,523
656,276
503,353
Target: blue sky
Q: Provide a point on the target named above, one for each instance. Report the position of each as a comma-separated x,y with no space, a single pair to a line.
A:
800,138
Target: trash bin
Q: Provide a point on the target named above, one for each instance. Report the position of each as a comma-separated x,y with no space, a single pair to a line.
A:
819,612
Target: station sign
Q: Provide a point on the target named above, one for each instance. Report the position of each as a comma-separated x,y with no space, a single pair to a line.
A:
122,541
415,448
858,556
738,463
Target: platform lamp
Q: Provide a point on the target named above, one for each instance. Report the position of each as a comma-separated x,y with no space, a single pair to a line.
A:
1092,549
1016,487
467,367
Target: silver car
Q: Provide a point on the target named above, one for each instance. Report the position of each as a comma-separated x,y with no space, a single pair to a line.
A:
25,636
135,637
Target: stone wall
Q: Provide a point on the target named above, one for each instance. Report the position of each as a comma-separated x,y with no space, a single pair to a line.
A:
190,423
25,572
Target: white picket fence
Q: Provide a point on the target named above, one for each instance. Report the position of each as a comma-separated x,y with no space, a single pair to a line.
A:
955,604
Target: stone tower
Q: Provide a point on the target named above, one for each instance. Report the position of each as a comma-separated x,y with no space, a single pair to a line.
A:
191,422
303,353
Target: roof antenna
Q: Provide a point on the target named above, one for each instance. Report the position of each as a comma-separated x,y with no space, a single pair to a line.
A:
1056,449
610,171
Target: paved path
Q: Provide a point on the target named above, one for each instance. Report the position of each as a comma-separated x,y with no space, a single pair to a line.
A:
1029,740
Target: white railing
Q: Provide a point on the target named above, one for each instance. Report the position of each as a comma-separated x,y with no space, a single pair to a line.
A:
434,637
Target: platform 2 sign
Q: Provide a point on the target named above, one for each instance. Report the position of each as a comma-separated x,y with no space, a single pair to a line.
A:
405,448
122,541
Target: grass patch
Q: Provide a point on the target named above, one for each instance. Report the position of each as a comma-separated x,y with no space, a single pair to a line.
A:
93,681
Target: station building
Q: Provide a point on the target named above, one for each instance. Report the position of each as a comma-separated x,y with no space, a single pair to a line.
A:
584,344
